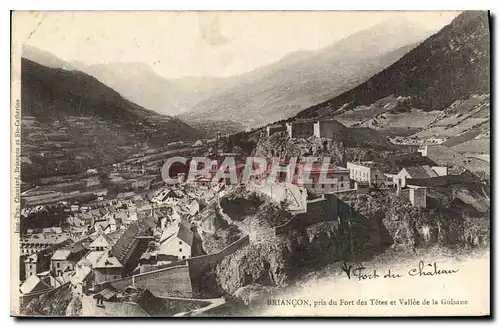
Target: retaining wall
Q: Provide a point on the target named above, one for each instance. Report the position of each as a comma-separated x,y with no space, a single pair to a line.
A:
171,281
179,278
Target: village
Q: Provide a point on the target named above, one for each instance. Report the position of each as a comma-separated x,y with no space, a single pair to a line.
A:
126,231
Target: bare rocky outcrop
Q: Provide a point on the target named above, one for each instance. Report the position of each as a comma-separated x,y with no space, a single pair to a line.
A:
263,264
253,294
53,303
412,227
74,308
280,145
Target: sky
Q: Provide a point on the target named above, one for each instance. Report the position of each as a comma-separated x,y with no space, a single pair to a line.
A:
178,44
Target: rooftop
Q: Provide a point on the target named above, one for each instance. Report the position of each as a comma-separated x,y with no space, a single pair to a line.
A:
185,234
420,172
61,255
108,260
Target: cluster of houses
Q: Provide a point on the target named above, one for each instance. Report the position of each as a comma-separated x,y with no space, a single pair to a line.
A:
360,176
120,238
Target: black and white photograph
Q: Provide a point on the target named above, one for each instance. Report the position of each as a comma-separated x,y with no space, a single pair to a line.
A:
250,163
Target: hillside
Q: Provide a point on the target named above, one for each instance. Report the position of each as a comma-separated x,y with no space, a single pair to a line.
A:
139,83
451,65
72,122
45,58
282,89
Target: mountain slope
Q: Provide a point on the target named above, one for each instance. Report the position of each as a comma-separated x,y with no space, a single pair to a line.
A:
451,65
282,89
140,84
71,121
45,58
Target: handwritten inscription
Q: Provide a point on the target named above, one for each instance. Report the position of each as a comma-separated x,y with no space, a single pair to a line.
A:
421,270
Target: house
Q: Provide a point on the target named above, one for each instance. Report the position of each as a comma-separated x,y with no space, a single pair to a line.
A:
182,244
101,243
40,242
416,172
60,262
418,196
34,284
56,281
300,129
366,171
328,128
107,268
338,178
78,249
82,279
132,218
362,187
32,265
140,184
92,258
124,255
270,130
91,171
391,179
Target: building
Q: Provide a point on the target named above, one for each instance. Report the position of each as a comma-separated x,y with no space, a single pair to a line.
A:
300,129
124,255
182,244
327,128
61,262
275,129
366,171
418,196
34,284
338,178
141,183
38,242
82,279
91,172
32,265
101,243
107,268
391,179
416,172
361,187
440,170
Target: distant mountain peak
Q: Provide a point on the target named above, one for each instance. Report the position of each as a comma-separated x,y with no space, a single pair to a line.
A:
44,58
448,66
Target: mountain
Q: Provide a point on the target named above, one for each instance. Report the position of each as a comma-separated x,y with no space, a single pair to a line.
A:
140,84
282,89
45,58
71,122
451,65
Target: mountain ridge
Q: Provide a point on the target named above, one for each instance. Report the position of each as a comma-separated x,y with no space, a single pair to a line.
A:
299,80
458,50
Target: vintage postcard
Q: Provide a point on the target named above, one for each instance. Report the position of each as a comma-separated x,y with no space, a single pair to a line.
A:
208,164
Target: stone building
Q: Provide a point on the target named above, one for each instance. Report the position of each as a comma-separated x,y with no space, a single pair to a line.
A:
327,128
60,262
418,196
300,129
270,130
366,171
